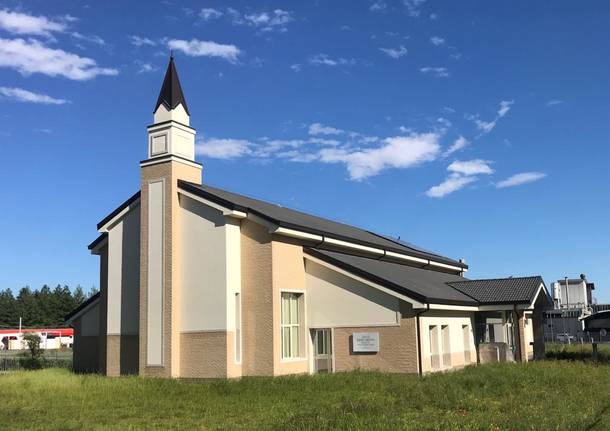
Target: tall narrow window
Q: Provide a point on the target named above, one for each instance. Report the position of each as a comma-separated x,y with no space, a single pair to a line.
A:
466,341
435,362
290,325
237,328
446,346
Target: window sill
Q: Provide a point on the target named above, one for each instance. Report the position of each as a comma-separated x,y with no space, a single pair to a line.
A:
289,360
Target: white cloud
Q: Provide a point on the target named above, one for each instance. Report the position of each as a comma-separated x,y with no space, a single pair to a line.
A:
394,152
554,102
325,60
147,67
89,38
437,40
401,51
471,167
209,13
459,144
378,6
140,41
504,107
267,21
519,179
20,23
21,95
319,129
32,56
413,7
223,148
202,48
438,72
296,67
488,126
452,184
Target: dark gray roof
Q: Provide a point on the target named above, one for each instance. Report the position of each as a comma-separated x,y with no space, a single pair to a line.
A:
420,284
171,91
514,290
289,218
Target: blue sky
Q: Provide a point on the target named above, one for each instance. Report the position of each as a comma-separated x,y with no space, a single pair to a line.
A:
477,129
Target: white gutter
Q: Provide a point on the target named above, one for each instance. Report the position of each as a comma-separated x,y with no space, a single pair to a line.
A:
382,254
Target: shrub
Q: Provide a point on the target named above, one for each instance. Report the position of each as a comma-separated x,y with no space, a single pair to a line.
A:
34,358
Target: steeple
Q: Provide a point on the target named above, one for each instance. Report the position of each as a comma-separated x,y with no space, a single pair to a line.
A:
171,92
171,134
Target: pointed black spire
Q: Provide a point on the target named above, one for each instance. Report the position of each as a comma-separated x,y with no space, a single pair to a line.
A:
171,92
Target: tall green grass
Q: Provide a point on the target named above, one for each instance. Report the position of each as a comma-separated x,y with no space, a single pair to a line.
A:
546,395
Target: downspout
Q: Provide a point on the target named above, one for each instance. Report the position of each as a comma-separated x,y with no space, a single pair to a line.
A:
419,354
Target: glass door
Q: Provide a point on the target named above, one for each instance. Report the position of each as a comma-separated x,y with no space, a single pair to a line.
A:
322,351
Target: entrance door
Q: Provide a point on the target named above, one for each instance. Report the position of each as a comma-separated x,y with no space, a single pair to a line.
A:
322,356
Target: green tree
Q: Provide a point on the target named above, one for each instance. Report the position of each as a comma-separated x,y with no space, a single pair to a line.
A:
78,296
8,312
35,359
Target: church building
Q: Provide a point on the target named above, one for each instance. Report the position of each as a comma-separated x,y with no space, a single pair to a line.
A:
200,282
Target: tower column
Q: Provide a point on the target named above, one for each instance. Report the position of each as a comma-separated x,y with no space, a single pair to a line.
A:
170,158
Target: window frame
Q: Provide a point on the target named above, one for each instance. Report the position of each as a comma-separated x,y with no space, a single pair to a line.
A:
299,326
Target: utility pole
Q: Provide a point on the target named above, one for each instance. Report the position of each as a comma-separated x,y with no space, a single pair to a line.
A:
20,325
568,301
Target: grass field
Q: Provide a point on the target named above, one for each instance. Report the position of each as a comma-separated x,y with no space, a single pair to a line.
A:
545,395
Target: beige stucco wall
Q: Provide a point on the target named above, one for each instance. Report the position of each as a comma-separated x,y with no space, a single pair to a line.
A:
288,275
455,320
334,300
203,266
171,171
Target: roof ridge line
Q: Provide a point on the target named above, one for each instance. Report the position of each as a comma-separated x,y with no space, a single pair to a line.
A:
500,278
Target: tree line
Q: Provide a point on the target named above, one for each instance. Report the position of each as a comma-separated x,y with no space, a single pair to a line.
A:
40,308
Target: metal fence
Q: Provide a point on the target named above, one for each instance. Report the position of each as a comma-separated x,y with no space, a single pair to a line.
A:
14,360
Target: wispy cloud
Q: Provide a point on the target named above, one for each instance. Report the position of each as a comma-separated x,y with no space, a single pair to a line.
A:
210,13
394,152
20,23
488,126
554,102
21,95
266,21
413,7
296,67
146,67
319,129
324,60
461,173
32,56
471,167
519,179
401,51
437,40
378,6
437,72
202,48
224,148
453,183
459,144
141,41
363,156
89,38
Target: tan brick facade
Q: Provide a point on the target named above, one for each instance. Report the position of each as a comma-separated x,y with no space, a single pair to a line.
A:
171,171
203,354
397,349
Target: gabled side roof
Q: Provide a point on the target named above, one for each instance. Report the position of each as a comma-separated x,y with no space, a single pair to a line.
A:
291,219
423,285
512,290
83,306
120,208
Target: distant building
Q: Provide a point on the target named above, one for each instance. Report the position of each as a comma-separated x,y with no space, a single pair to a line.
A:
572,302
51,338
